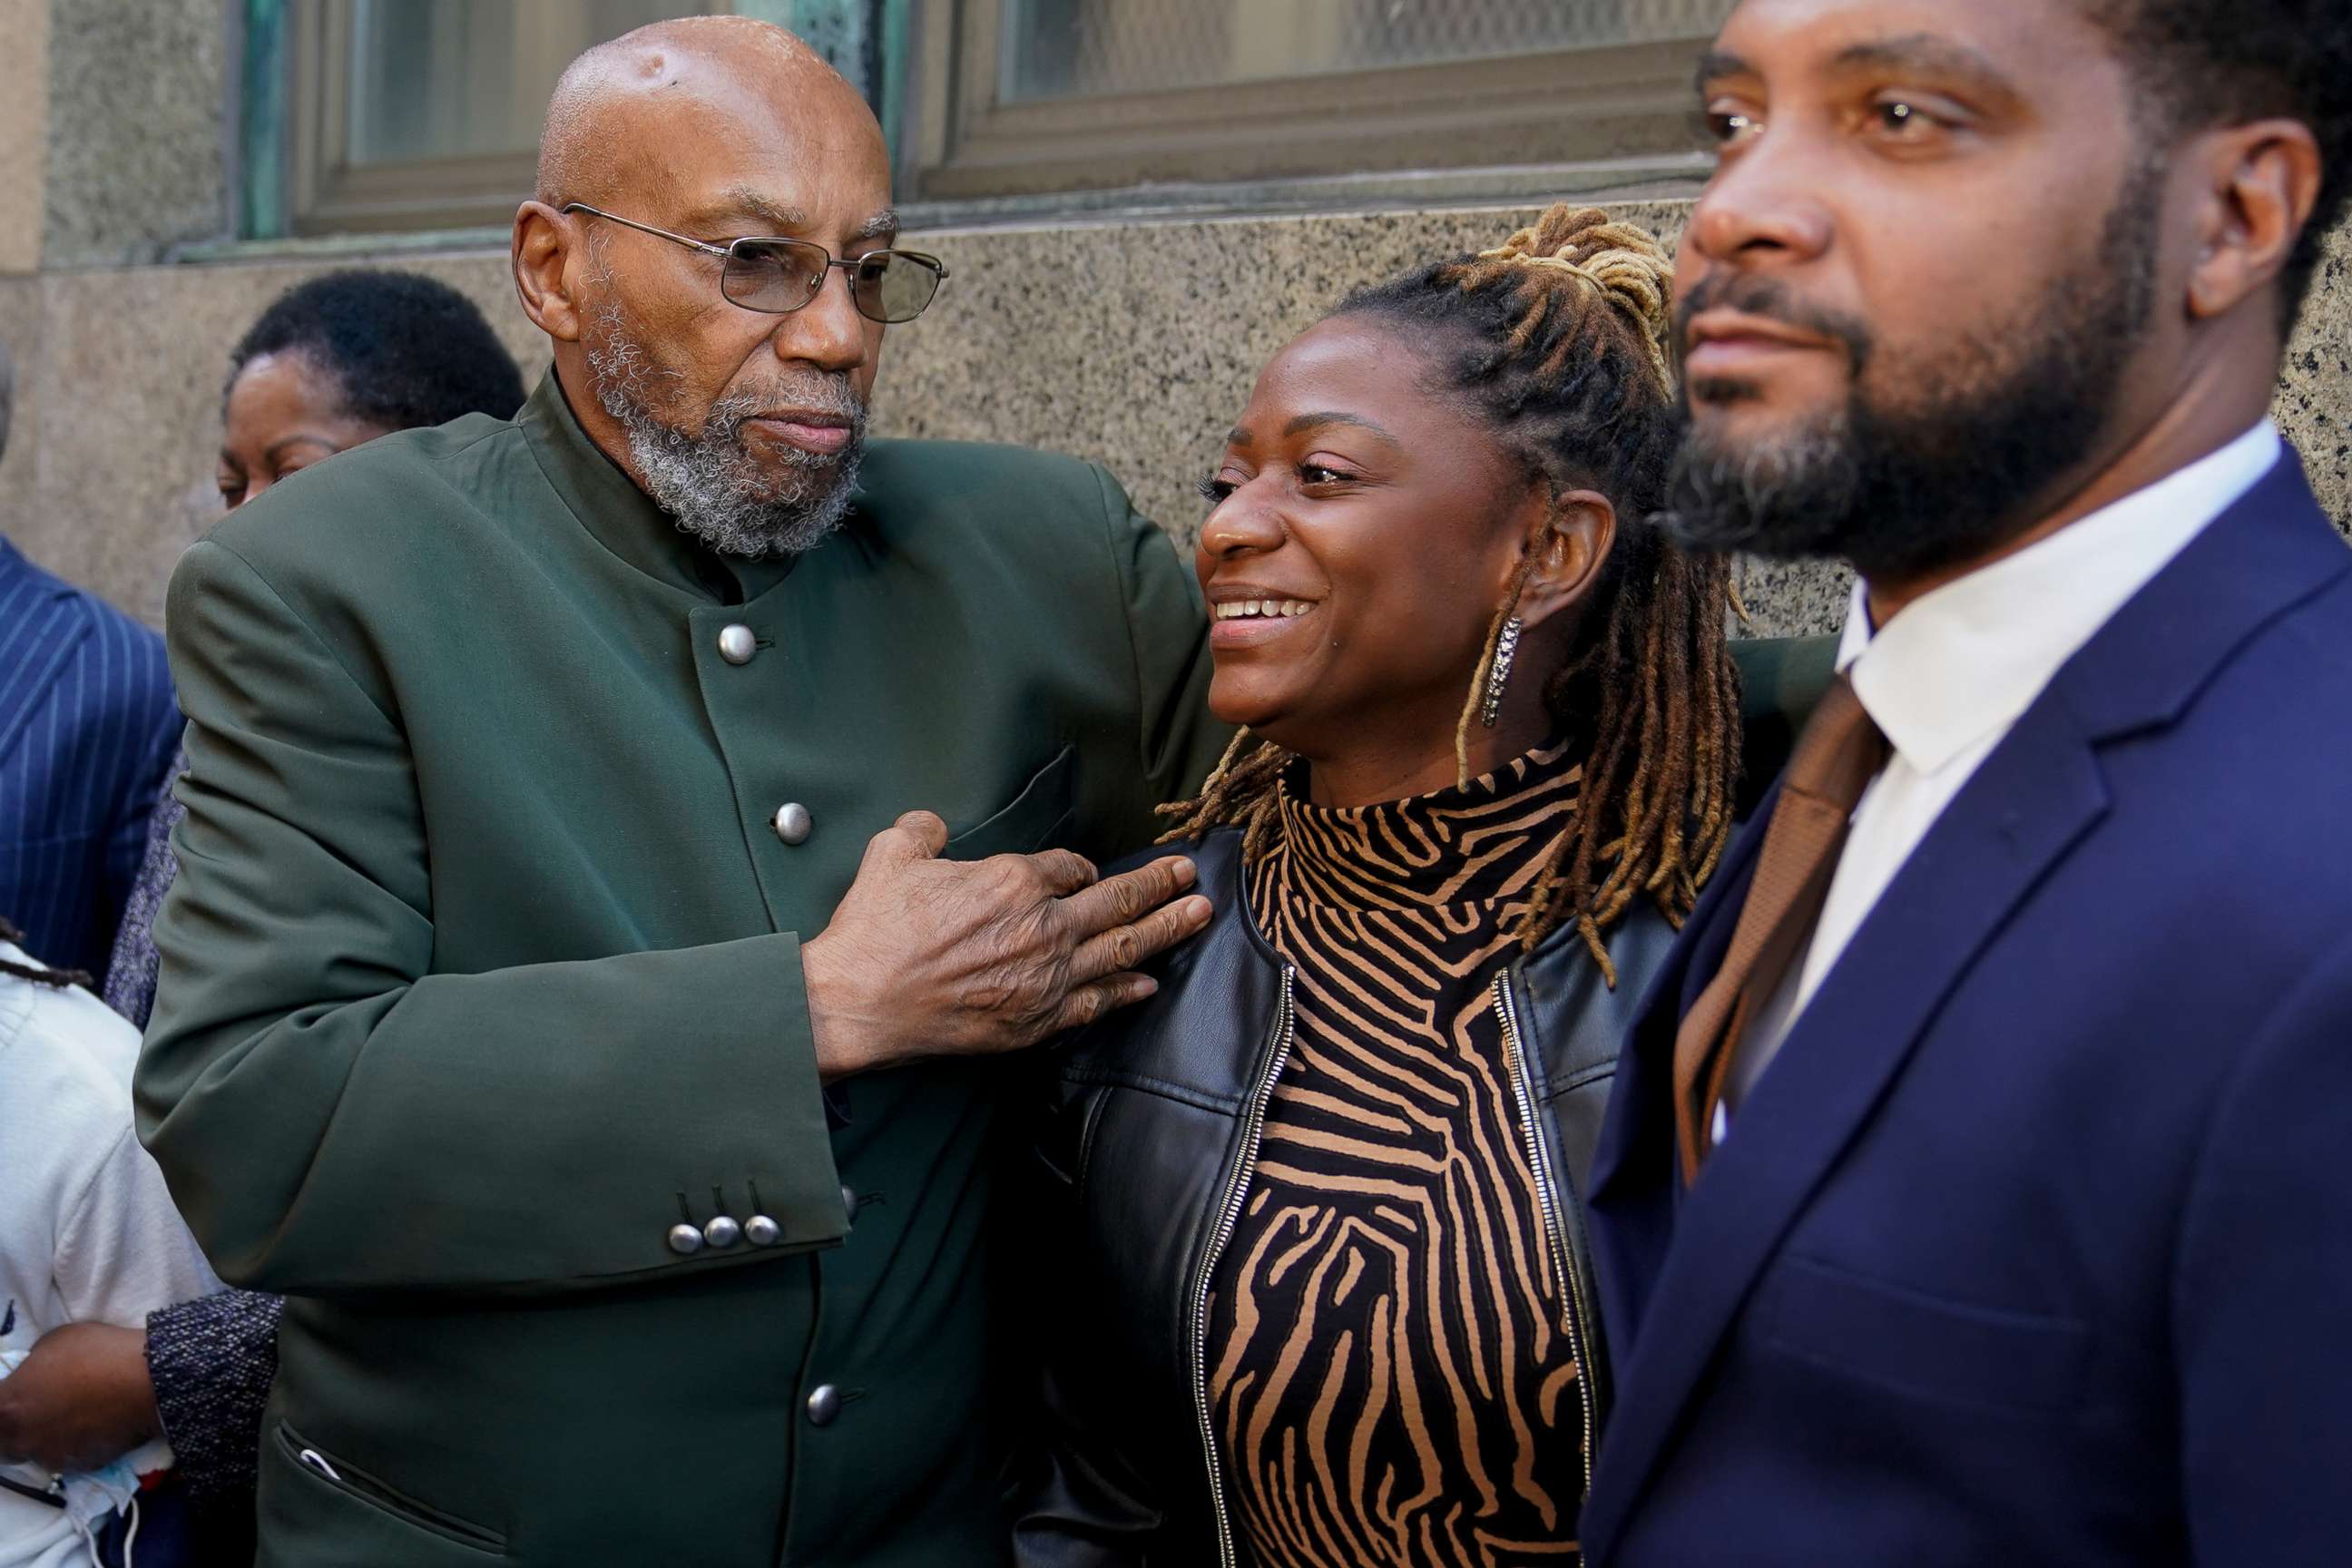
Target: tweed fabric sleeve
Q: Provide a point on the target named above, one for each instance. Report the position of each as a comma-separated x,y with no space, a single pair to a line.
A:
211,1360
130,973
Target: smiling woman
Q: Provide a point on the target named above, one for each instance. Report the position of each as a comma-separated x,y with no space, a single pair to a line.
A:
1489,737
1496,498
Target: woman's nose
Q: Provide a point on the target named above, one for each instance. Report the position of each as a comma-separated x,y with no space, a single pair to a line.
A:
1239,526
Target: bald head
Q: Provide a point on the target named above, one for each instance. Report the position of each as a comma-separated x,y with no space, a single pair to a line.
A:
625,111
743,423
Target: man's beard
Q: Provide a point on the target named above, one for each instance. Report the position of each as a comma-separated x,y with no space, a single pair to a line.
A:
1905,490
709,481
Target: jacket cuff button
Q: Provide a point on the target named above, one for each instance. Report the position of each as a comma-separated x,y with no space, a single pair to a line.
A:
723,1232
762,1231
685,1240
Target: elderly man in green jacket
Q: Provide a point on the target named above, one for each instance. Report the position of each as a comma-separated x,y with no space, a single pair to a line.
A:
618,840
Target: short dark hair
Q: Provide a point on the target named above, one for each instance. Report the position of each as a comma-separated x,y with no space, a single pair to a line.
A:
404,349
2214,62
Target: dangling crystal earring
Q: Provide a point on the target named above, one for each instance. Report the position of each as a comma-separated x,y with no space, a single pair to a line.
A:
1507,646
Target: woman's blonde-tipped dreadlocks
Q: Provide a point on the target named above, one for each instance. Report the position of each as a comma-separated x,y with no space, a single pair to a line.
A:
1560,335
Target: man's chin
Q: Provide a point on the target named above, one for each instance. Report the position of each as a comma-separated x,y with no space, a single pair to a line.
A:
1747,481
1746,417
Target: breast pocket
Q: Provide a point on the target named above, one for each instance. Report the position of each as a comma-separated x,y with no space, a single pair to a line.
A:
1036,819
1911,1342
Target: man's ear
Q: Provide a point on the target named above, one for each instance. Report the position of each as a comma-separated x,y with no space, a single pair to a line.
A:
548,257
2259,184
1569,543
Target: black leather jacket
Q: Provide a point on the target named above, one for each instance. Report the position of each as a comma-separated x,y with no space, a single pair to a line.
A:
1149,1143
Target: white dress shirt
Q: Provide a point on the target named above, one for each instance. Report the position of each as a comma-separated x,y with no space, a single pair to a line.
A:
1945,678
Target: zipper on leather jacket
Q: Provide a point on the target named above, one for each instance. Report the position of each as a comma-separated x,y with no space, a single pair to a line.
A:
1575,1317
1229,1213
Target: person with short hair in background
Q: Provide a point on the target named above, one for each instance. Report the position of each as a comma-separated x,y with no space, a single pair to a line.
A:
87,732
1975,1189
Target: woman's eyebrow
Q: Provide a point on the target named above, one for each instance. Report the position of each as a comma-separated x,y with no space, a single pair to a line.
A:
1306,422
277,447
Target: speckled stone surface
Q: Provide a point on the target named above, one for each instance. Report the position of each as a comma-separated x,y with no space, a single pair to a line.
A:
24,130
20,329
1130,344
135,156
2315,401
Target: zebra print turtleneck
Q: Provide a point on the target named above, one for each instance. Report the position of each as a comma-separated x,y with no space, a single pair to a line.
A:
1387,1370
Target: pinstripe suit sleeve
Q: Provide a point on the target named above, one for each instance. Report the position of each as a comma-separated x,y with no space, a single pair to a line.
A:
88,726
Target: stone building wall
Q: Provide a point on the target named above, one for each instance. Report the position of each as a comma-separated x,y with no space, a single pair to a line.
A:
1130,343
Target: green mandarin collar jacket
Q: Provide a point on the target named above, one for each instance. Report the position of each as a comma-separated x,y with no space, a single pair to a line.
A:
481,978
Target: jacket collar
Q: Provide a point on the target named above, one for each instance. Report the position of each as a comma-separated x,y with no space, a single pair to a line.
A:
2038,792
623,517
1233,967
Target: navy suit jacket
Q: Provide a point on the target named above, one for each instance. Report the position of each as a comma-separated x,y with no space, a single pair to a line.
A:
87,732
2034,1245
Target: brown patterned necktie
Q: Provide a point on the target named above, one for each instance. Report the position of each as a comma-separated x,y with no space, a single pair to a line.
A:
1839,754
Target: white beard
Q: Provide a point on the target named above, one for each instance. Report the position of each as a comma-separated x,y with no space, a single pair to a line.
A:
708,481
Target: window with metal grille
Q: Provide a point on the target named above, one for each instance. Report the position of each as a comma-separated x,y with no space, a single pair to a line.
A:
1073,95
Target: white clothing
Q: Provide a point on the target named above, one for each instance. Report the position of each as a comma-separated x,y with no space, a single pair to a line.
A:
87,1232
1947,678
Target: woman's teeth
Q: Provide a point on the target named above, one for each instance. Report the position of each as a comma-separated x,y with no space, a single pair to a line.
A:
1277,610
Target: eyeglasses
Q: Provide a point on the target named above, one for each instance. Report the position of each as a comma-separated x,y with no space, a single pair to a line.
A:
779,276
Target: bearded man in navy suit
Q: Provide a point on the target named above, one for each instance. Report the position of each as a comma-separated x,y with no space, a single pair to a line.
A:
1976,1187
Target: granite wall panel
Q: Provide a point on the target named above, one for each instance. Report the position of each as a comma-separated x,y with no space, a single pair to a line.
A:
137,161
24,131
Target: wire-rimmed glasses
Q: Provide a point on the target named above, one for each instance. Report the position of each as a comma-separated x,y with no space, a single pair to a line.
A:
779,276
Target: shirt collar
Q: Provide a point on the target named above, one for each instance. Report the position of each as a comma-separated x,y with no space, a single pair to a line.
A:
1960,664
623,517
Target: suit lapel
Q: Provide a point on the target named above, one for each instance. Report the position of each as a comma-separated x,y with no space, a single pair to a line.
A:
2032,799
2028,805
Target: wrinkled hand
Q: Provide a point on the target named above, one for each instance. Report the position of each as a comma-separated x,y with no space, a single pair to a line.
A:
81,1400
928,957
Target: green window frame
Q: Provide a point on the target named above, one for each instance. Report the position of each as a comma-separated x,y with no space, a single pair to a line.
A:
294,180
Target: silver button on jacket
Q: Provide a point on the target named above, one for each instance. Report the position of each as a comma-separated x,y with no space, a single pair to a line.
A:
792,823
685,1240
759,1230
722,1232
736,644
823,1404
